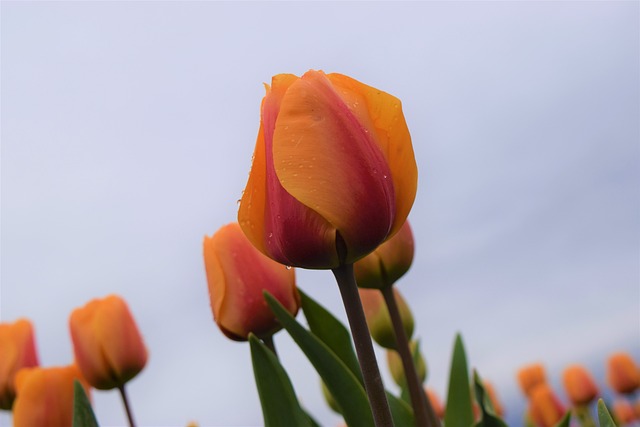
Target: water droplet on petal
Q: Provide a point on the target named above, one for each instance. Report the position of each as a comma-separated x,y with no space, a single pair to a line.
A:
288,267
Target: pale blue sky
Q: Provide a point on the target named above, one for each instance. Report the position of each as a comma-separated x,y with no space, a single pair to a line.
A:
127,133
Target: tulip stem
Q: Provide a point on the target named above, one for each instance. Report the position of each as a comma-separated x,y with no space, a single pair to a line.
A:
127,408
364,348
422,409
268,341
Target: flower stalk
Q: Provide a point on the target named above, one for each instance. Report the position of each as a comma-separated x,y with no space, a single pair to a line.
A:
127,407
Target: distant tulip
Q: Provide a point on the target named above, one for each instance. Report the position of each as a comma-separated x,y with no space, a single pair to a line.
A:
238,274
388,263
17,351
579,385
546,409
45,396
622,373
436,403
530,376
493,398
397,370
107,344
333,173
623,412
378,319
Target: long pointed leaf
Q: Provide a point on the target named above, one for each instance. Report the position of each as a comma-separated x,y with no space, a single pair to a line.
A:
459,410
604,416
280,406
83,415
566,420
489,417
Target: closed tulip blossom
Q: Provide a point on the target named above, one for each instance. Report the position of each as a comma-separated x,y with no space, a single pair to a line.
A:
397,370
107,344
623,412
545,407
579,385
45,396
623,374
17,351
436,403
333,173
378,319
531,376
237,274
388,262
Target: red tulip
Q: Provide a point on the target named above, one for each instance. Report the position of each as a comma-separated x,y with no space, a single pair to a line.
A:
107,344
333,172
580,386
622,373
238,274
17,351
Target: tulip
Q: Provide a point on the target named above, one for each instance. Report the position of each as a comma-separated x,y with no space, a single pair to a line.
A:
45,396
397,370
623,412
388,263
378,318
546,409
107,344
436,403
531,376
579,385
333,173
493,398
623,374
237,274
17,351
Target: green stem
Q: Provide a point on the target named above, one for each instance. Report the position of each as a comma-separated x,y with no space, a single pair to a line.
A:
584,416
127,407
364,348
268,341
424,413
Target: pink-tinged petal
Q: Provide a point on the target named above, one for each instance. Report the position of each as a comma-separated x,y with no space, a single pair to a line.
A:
383,112
327,159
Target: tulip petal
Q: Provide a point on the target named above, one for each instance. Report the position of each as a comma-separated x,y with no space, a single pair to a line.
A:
385,113
328,159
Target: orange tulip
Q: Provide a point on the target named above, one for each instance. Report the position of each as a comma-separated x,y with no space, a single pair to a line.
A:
45,396
530,376
623,374
17,351
579,385
107,344
623,412
436,403
493,397
238,274
546,409
333,172
378,319
388,263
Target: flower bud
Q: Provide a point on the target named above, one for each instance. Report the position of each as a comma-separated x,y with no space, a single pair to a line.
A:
397,370
623,374
17,351
579,385
546,409
106,342
388,263
436,403
530,376
623,412
237,274
378,319
45,396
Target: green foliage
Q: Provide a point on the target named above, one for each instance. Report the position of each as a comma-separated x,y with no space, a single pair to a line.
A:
280,406
83,415
489,417
604,416
459,410
565,421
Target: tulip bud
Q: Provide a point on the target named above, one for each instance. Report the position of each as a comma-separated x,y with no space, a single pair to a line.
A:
436,403
333,172
378,319
579,385
106,342
388,263
623,412
17,351
623,374
45,396
237,274
397,370
546,409
531,376
493,398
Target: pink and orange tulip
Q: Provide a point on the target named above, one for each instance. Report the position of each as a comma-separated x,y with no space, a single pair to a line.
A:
333,172
545,407
531,376
107,344
237,274
388,262
378,319
45,396
579,385
17,351
623,374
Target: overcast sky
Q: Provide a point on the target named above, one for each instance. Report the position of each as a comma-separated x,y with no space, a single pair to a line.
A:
127,133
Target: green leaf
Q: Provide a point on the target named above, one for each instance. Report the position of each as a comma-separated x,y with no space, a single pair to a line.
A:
459,410
604,416
564,422
489,417
341,382
280,406
401,411
83,415
331,332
